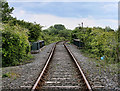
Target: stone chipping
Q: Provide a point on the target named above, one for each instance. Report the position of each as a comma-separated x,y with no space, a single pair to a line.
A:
24,76
99,77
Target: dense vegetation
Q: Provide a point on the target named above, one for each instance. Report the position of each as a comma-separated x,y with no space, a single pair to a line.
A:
16,35
56,33
98,42
15,45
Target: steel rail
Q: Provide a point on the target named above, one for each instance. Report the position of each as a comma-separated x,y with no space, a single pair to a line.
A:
48,60
75,60
47,63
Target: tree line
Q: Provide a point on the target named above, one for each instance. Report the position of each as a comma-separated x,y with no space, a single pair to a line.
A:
17,35
99,42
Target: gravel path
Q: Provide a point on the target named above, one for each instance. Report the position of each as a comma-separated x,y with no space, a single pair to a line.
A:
100,77
24,76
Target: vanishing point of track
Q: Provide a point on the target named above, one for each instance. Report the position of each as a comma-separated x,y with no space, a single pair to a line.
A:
61,72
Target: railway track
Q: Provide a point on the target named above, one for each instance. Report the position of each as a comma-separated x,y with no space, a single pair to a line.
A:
61,72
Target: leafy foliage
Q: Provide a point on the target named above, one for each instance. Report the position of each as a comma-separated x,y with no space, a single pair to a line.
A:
15,45
59,26
16,35
6,11
34,32
99,42
56,33
118,33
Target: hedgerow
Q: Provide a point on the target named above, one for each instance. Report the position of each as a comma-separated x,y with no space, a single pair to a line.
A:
15,45
98,42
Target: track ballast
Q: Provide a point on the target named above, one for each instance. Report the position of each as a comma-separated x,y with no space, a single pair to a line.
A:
61,73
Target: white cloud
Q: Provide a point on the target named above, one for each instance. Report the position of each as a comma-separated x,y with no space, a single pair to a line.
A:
70,23
110,7
62,0
22,12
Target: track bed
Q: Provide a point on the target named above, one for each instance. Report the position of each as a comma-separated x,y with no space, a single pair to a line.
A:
62,73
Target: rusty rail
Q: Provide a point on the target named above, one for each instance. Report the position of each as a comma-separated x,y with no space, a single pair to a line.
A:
35,87
75,60
37,83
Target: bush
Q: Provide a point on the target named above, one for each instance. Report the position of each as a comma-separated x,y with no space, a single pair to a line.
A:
15,45
98,42
103,43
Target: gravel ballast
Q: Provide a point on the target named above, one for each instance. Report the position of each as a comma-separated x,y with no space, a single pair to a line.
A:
99,76
24,76
62,73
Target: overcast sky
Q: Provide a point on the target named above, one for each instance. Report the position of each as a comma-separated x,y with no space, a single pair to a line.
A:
68,13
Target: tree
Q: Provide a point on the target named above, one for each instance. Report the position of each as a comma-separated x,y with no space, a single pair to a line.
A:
59,26
34,32
6,11
108,29
65,33
118,32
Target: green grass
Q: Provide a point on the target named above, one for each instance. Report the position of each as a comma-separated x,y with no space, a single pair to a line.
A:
57,64
68,42
6,75
11,75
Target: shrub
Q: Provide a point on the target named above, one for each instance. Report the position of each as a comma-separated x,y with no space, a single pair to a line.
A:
98,42
103,43
15,45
